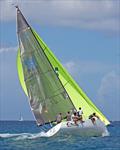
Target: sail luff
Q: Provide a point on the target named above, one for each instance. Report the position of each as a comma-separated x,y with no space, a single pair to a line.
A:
40,78
19,64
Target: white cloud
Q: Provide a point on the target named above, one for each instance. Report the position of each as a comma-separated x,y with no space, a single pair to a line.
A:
71,67
7,10
8,49
109,95
88,67
99,15
108,83
108,90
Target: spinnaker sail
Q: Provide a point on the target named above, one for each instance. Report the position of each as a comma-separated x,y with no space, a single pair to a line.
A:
45,81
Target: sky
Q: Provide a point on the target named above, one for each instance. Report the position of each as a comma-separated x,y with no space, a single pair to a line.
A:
85,37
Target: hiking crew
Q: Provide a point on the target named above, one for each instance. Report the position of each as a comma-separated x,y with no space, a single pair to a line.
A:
68,116
59,118
93,117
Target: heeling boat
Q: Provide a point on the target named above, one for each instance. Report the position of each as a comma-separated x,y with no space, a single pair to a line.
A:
49,87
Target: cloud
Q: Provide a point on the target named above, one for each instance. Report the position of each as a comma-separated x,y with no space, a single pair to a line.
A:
7,10
12,99
88,67
95,15
71,67
107,77
109,95
8,49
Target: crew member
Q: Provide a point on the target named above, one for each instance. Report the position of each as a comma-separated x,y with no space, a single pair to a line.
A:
59,118
68,116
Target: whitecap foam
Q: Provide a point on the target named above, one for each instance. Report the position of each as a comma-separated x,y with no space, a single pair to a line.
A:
22,136
8,135
105,133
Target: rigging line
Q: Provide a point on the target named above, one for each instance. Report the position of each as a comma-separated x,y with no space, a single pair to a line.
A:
51,65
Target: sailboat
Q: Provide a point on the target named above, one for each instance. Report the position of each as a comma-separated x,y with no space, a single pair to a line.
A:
21,118
49,87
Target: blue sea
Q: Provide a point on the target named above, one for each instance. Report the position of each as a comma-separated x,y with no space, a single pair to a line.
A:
25,135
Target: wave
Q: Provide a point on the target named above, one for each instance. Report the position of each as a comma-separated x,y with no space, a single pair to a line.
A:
22,136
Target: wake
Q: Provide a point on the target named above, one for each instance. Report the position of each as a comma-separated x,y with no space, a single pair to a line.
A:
31,136
23,136
51,132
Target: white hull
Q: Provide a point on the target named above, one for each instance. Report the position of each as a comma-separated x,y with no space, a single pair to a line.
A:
85,129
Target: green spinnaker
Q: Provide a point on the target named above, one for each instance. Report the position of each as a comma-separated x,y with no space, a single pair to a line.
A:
76,94
20,73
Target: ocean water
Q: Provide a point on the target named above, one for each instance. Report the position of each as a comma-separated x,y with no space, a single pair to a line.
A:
15,135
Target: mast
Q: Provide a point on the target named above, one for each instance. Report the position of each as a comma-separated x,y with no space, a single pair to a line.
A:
47,95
